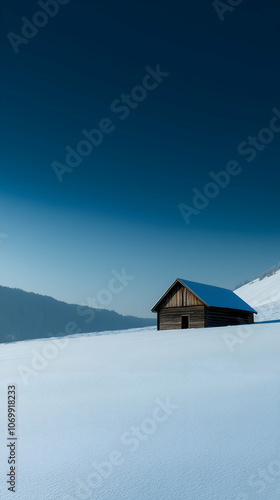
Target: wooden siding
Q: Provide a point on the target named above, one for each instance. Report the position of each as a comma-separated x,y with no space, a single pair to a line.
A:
170,318
223,317
179,296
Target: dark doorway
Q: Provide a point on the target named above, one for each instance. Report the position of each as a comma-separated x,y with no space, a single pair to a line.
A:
185,322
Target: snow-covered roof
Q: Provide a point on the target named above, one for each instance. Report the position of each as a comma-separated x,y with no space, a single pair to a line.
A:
212,296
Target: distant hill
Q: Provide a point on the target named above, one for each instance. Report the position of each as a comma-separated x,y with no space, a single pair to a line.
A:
25,316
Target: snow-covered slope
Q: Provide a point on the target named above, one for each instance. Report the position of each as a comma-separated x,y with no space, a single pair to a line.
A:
146,415
264,296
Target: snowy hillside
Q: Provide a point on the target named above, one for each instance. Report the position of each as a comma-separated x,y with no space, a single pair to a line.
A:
264,296
146,415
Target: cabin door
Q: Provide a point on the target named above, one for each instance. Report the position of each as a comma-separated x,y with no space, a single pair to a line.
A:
185,322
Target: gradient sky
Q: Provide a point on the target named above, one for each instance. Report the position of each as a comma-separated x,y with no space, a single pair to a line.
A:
119,208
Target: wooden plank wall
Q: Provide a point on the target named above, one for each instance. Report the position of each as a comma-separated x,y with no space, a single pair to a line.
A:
170,318
224,317
179,296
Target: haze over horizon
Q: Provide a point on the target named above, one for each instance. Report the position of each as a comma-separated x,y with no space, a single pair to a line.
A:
118,208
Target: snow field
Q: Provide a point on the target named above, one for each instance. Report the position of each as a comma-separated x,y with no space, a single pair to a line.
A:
147,415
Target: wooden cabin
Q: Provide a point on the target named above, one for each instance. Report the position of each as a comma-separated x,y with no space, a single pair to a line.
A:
187,304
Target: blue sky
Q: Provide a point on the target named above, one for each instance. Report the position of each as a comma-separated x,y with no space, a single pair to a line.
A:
119,208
